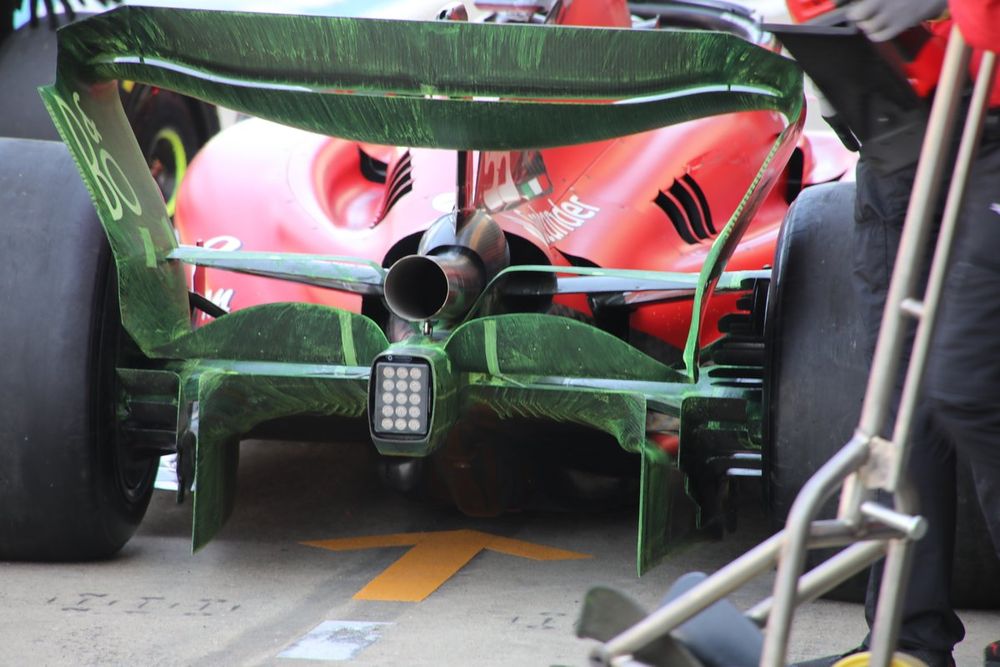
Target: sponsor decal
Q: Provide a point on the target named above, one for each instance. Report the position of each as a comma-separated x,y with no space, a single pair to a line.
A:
560,219
507,179
109,180
224,242
221,297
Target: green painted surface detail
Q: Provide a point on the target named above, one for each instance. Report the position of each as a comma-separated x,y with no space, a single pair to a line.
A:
233,398
542,344
401,83
410,82
659,482
230,404
301,332
392,82
504,357
620,414
152,291
725,243
345,273
180,157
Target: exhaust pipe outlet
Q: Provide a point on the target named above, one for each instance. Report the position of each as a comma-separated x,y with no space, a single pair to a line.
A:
452,268
434,287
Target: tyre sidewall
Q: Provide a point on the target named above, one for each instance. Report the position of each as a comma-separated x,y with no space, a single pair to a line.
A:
60,498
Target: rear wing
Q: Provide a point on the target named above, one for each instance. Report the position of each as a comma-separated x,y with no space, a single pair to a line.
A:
453,85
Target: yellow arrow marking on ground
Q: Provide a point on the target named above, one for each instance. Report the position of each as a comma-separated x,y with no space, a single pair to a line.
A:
433,558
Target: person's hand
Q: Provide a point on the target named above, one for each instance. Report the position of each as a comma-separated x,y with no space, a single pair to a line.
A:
882,20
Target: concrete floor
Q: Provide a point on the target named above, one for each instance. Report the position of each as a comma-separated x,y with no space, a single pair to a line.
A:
257,590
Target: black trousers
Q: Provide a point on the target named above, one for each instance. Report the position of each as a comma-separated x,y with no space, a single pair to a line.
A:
960,404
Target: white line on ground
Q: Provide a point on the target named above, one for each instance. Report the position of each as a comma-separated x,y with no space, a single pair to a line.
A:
335,641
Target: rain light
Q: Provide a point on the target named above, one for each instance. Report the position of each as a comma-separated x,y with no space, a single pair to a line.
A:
401,392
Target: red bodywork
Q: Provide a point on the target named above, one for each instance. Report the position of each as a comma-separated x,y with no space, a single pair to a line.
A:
650,201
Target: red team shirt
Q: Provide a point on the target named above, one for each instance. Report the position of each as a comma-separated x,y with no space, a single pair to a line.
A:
979,23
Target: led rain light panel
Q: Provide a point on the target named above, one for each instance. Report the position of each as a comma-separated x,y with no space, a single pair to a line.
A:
401,393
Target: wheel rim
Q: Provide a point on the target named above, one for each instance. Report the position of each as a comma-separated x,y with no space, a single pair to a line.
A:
134,472
168,163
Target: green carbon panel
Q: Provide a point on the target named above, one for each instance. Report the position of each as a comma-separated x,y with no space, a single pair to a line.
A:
402,83
394,82
411,83
300,332
659,482
232,404
542,344
622,415
152,290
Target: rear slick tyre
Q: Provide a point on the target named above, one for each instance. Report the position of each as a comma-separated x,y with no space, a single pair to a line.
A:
817,371
68,491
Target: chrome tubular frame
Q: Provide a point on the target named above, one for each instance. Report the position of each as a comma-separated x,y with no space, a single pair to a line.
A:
869,461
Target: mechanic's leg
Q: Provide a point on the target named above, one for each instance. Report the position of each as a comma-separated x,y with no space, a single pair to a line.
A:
930,628
929,623
963,373
879,211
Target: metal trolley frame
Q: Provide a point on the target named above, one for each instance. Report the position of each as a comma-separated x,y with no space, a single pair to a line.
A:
869,461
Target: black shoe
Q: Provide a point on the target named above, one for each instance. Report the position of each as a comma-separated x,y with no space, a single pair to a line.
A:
991,655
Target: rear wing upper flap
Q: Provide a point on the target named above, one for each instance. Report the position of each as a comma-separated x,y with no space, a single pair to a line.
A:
437,84
442,84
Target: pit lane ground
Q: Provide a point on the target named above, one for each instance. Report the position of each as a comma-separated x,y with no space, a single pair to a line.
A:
257,593
254,595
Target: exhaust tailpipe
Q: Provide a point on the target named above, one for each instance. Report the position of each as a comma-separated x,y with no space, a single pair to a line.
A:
434,287
452,268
